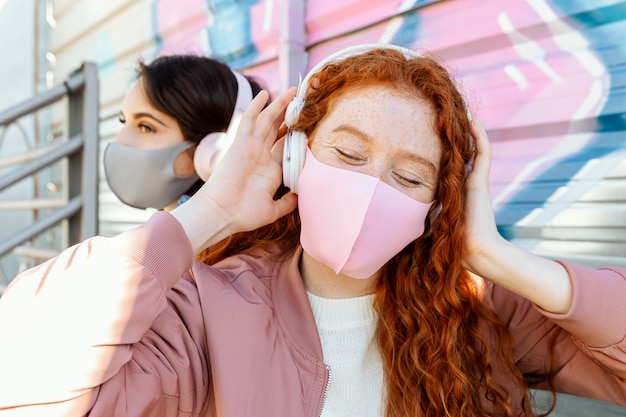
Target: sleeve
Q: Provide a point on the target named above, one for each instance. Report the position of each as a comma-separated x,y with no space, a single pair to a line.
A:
83,320
597,316
585,347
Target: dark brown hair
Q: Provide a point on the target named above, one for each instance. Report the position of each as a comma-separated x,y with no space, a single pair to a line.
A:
199,92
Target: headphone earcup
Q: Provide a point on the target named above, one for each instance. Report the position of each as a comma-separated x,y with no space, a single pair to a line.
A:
294,152
209,152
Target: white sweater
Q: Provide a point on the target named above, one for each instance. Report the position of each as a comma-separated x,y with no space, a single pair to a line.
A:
346,328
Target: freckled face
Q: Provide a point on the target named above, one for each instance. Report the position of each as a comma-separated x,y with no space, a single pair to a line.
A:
145,127
380,132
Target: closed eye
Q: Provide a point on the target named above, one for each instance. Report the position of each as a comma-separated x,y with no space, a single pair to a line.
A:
348,157
409,182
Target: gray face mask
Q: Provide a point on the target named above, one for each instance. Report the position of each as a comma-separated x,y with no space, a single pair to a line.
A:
145,178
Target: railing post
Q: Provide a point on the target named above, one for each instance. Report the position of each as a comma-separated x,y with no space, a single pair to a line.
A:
83,166
79,154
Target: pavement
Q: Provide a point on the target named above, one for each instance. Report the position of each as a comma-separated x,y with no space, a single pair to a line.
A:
571,406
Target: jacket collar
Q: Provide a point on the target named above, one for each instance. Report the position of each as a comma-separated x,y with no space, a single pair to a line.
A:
293,309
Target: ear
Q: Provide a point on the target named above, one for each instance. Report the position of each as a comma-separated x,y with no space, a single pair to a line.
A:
208,153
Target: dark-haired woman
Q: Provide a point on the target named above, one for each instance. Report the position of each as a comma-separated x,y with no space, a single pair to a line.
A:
178,119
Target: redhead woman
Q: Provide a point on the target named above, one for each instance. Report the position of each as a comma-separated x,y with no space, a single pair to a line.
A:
352,267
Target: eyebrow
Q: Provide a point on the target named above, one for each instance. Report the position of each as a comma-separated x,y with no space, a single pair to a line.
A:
146,115
364,136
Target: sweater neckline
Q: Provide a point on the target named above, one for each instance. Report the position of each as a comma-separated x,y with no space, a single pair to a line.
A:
343,313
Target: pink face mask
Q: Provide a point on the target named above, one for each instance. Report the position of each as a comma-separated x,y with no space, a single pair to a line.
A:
352,222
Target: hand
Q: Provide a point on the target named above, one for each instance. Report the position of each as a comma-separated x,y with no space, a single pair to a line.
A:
481,232
487,254
239,195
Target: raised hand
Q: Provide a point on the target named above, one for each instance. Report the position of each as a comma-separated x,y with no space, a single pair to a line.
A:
481,233
239,194
487,254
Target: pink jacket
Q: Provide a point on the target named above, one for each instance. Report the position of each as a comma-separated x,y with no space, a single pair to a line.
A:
132,326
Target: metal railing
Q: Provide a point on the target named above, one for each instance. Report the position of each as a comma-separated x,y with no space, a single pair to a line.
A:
77,209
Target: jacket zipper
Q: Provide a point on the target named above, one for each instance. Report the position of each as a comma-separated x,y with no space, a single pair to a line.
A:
325,391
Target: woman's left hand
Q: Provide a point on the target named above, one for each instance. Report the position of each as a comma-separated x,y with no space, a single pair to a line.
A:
481,233
487,254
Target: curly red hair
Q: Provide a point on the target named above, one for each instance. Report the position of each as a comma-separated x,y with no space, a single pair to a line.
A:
435,357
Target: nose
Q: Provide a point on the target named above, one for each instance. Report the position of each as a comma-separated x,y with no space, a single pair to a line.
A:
382,168
123,137
379,168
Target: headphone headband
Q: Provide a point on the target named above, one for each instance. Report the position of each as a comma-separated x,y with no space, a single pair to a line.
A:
244,97
296,104
213,146
296,142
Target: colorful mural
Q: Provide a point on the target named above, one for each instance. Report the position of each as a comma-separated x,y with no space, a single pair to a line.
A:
231,30
540,75
544,76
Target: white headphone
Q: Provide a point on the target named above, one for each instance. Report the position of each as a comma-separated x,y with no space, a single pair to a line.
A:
213,146
296,142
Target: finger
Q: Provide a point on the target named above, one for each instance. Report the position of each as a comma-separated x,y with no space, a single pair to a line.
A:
482,160
286,204
272,116
480,137
277,150
282,131
248,119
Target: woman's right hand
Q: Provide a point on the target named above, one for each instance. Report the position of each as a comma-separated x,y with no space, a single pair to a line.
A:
239,195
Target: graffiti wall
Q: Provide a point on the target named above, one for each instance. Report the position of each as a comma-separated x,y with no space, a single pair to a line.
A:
546,77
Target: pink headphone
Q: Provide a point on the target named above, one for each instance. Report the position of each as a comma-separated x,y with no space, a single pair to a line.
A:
212,147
